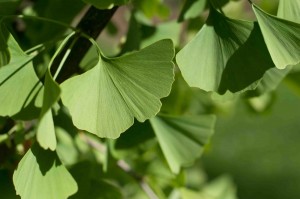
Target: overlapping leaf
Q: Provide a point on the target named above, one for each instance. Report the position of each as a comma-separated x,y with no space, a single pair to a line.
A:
106,99
40,174
182,139
45,131
51,93
18,81
281,37
290,10
225,55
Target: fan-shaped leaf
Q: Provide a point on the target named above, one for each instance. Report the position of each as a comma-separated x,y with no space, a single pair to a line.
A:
105,99
225,54
40,174
182,139
290,10
18,81
281,37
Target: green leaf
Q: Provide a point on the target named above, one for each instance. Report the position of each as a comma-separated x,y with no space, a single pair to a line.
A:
105,3
191,9
220,188
18,81
182,138
152,8
289,9
284,46
106,99
40,174
45,130
225,55
90,186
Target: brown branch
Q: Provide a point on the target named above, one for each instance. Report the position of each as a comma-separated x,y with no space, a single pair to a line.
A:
92,24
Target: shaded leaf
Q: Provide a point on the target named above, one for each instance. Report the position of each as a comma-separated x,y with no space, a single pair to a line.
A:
220,188
92,187
284,46
40,174
106,99
46,130
225,55
182,138
18,81
191,9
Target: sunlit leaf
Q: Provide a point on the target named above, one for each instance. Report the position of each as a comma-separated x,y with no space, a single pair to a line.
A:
40,174
18,81
225,55
182,138
289,9
281,37
106,99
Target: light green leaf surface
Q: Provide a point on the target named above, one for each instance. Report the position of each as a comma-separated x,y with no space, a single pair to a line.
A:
51,93
40,174
289,9
182,139
18,81
281,37
225,55
102,4
45,130
106,99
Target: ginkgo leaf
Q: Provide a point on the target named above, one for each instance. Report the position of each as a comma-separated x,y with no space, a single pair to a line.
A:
18,81
281,37
290,10
45,130
106,99
225,55
182,138
40,174
51,93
